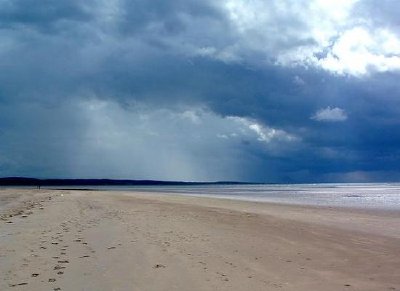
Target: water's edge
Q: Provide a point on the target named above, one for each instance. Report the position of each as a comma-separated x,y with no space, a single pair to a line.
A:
371,195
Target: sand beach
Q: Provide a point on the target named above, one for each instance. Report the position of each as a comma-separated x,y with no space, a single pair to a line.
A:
110,240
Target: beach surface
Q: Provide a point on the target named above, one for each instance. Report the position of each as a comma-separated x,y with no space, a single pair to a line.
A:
110,240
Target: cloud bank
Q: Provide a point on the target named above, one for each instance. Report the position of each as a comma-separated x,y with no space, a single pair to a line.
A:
275,91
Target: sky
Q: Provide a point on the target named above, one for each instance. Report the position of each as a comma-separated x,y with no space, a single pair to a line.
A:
282,91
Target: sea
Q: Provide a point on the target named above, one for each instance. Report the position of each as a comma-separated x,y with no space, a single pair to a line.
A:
361,195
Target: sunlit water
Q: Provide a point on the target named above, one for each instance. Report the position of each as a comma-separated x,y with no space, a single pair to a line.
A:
377,195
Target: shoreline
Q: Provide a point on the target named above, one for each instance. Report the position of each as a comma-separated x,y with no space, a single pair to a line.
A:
150,241
366,197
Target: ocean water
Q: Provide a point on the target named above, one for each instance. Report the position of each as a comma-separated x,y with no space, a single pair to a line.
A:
365,195
371,195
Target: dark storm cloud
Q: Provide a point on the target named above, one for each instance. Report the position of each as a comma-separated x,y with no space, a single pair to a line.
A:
116,78
46,16
167,17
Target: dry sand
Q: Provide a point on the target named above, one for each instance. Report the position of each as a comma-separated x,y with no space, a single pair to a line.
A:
86,240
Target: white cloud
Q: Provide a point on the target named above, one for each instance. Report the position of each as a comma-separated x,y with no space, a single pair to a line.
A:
263,133
227,54
289,31
330,115
193,116
359,51
330,35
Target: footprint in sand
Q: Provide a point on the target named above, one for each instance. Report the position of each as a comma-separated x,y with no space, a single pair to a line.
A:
157,266
52,280
58,267
19,284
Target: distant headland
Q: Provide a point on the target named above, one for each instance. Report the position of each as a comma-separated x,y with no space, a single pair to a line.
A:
24,181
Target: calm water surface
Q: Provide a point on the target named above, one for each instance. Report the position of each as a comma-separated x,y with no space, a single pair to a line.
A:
377,195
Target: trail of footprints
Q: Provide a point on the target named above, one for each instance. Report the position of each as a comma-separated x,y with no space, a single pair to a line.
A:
23,212
53,241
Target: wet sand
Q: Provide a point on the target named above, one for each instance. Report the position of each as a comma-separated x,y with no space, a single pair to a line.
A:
95,240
